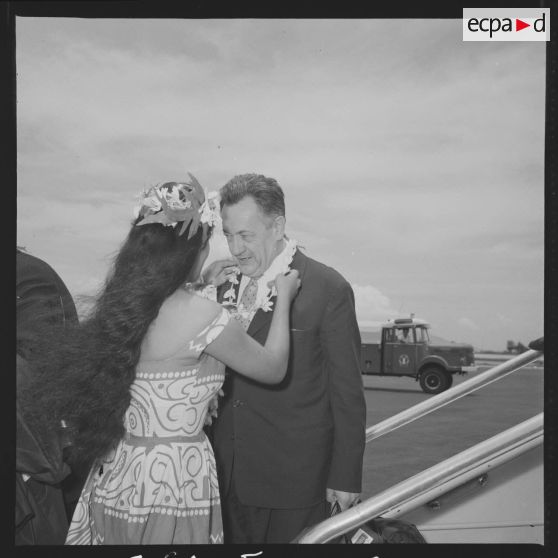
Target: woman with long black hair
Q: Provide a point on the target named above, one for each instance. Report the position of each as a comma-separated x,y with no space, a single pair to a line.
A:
135,380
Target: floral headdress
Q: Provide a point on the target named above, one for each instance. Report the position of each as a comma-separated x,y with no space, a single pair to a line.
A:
174,203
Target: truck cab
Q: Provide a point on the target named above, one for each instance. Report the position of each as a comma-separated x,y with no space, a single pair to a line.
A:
405,349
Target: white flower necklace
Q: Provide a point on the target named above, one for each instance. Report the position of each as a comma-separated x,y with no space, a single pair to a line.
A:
200,289
281,264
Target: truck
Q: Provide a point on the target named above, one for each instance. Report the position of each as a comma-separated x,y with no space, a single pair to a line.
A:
405,349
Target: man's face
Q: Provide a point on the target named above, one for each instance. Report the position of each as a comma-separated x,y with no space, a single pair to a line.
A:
254,239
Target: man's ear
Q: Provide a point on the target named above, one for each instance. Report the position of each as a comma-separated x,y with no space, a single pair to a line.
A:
279,227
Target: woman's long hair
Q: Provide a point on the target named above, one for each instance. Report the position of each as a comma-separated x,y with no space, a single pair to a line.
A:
83,375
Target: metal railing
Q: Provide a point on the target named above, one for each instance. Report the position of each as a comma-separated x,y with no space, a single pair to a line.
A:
446,475
437,401
435,481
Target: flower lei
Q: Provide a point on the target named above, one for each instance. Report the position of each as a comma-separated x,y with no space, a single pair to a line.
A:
179,202
281,264
205,291
266,284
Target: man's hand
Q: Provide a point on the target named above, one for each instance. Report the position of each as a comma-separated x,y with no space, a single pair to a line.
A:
219,272
212,408
345,499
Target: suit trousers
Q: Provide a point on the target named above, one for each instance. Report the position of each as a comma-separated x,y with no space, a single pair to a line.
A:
243,524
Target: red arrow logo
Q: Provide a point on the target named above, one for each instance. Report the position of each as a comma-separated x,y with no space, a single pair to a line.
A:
519,25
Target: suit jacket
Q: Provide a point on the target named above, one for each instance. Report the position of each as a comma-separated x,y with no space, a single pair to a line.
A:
40,515
41,297
292,440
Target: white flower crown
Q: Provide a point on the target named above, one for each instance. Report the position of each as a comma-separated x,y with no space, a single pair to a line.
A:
172,203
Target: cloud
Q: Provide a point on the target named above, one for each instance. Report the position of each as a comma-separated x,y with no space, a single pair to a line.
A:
409,159
467,323
372,307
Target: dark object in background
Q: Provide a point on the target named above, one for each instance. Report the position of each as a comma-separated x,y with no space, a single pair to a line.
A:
40,515
537,344
379,530
361,535
41,298
396,530
382,530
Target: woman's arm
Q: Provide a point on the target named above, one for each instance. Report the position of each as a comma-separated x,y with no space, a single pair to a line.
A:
239,351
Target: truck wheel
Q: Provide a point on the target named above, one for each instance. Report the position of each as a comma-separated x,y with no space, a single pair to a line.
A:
434,380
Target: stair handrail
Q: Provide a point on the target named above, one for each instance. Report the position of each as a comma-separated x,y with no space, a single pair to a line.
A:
434,481
463,466
452,394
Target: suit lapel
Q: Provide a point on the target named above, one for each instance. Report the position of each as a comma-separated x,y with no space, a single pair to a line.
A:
222,289
262,319
299,263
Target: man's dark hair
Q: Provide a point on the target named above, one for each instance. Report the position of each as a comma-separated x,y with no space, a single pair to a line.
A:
265,191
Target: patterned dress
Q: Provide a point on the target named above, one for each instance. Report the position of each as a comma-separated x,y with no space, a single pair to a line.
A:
159,485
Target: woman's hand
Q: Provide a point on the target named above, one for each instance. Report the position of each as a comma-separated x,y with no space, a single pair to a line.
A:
219,272
239,351
287,284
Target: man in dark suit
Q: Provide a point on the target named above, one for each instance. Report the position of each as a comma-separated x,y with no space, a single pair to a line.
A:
40,513
41,297
286,452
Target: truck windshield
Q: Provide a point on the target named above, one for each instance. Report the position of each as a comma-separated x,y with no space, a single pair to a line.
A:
405,335
422,335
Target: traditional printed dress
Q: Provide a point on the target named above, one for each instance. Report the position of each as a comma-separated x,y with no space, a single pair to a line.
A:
159,486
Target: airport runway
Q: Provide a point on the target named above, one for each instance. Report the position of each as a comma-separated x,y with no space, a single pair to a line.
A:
447,431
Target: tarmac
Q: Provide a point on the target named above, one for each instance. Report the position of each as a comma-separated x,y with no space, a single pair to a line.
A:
447,431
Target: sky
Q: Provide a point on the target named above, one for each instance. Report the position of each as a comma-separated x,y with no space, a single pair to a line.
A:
412,162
